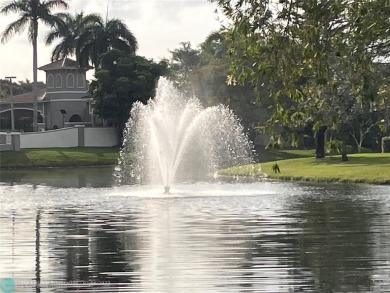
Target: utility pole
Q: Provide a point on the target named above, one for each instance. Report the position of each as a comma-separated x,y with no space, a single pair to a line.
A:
108,4
12,102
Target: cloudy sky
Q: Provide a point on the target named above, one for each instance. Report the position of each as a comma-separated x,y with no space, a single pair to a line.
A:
159,26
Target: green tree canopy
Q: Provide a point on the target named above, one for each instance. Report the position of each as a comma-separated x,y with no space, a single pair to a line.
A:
18,88
122,80
312,52
183,61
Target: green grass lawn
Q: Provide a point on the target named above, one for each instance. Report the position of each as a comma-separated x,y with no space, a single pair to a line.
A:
294,164
365,167
59,157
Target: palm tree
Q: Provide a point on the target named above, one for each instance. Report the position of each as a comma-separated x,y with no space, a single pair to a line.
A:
102,37
31,12
74,27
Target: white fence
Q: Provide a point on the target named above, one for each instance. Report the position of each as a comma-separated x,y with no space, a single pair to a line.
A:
77,136
65,138
100,137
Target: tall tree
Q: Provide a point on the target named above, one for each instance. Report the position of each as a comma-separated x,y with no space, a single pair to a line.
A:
69,34
30,13
306,49
122,80
214,47
102,37
203,72
184,60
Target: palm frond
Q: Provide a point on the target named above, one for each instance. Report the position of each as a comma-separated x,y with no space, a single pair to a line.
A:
17,26
63,15
52,20
52,4
56,53
51,36
93,18
119,29
14,7
32,33
121,45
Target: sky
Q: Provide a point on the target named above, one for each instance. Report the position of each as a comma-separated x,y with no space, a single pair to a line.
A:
158,25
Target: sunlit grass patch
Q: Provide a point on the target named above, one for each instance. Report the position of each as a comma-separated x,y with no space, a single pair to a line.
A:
59,157
367,167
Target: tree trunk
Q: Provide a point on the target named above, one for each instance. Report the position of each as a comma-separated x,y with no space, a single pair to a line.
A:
359,146
320,142
344,156
35,75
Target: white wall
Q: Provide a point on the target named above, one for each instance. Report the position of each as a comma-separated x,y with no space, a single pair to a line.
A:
100,137
66,137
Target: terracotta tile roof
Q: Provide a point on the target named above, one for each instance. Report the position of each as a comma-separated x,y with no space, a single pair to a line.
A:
65,63
26,97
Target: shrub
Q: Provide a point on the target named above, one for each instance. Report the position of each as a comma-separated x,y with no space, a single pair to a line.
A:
334,146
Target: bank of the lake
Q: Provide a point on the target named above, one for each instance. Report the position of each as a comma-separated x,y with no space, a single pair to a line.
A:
373,168
294,164
59,157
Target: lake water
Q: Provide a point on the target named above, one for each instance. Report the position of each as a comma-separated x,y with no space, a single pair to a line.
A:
69,230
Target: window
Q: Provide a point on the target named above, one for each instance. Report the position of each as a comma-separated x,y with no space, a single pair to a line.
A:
90,108
75,118
50,81
58,80
70,80
80,80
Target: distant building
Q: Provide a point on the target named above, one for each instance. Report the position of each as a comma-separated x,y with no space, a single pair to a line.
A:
64,102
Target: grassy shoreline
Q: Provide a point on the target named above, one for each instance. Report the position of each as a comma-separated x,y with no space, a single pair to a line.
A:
59,158
371,168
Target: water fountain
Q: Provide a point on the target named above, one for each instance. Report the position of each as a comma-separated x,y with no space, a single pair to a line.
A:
174,138
226,237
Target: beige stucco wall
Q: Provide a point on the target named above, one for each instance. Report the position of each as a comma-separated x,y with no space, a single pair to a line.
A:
65,80
76,107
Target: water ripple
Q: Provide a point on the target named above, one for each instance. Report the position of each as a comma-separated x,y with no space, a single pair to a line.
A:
260,237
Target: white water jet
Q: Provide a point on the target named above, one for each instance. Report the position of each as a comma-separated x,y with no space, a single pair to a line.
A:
174,138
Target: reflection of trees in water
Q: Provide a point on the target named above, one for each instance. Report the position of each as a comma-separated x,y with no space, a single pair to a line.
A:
111,254
38,251
88,248
76,247
311,244
322,246
335,244
272,256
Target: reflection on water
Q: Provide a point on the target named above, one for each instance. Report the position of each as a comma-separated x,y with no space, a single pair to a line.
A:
61,177
259,237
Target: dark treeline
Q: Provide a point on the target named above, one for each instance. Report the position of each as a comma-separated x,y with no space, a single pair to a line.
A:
18,88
